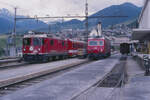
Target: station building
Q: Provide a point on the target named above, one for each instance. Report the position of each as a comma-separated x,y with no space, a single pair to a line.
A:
142,33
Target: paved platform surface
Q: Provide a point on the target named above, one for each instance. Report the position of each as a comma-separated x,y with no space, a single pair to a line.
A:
138,87
68,85
133,68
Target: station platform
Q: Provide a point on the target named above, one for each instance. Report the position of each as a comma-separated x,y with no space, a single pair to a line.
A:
138,86
69,84
137,89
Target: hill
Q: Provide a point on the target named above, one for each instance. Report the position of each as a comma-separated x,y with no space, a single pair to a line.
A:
7,22
126,9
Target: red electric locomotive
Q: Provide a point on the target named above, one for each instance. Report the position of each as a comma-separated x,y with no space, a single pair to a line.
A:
98,48
43,47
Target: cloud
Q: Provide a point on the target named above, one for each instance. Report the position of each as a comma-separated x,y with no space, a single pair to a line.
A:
60,7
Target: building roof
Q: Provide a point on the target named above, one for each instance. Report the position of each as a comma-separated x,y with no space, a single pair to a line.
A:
144,32
141,34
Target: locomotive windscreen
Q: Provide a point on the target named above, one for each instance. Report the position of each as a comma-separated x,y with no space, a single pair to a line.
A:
101,43
96,43
33,41
37,41
93,43
27,41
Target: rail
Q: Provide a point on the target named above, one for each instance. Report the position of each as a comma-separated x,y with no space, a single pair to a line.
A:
24,77
5,61
116,92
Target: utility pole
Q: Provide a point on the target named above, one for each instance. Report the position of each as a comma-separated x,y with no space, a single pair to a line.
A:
15,21
14,34
49,28
86,21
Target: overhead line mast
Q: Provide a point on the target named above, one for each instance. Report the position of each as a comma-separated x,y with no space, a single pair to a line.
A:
14,32
86,18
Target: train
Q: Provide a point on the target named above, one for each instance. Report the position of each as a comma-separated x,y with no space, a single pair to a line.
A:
124,48
98,47
45,47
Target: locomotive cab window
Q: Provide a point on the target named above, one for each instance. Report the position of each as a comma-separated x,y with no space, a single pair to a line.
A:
26,41
37,41
101,43
93,43
43,41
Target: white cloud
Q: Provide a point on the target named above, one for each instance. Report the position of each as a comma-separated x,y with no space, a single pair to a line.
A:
60,7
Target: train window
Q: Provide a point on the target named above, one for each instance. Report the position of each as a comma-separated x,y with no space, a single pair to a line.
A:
43,41
52,42
37,41
101,43
26,41
63,43
93,43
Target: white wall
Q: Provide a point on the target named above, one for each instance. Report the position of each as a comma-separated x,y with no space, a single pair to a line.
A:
145,18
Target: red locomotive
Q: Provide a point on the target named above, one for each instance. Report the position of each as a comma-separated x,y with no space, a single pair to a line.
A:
44,47
98,48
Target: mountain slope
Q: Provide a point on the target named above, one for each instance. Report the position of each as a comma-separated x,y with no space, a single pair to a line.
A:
7,23
126,9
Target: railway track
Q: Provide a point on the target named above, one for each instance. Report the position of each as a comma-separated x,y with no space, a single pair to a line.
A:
7,58
14,83
6,62
13,63
19,82
111,83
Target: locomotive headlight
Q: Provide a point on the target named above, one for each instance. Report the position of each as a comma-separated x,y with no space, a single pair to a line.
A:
24,49
39,49
31,48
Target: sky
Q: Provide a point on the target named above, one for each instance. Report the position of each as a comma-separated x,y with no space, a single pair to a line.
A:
60,7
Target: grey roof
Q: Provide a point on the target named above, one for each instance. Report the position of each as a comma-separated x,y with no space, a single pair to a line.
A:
141,34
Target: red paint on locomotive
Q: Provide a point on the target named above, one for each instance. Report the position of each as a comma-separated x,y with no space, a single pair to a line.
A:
44,47
98,47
